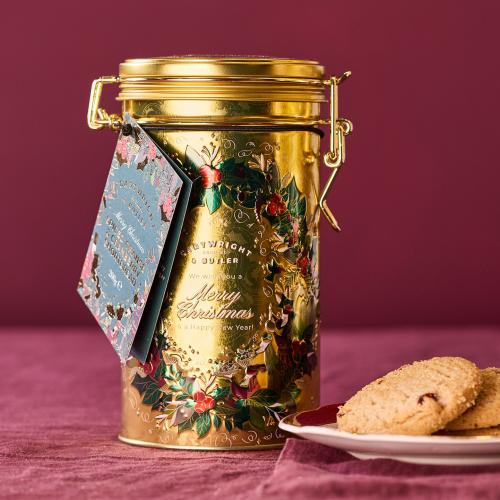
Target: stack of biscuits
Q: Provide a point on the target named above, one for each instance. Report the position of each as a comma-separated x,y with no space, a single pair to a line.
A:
444,395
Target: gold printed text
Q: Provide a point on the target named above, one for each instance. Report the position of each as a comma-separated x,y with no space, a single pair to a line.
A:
208,303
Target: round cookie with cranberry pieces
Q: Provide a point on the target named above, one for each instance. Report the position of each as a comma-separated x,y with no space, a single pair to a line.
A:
416,399
486,410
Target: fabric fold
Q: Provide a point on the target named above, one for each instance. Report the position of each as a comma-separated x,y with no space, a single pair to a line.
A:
310,470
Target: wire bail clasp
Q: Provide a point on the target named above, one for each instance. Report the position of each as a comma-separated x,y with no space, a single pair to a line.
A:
98,118
339,128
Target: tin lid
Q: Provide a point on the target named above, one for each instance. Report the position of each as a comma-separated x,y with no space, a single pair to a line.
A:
222,78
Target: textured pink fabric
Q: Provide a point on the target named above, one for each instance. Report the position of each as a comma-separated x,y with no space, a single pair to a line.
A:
59,420
59,417
310,470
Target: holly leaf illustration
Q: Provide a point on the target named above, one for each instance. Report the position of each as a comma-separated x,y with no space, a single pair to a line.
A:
283,225
289,395
203,424
151,395
262,397
233,173
295,201
160,370
217,421
188,424
142,383
220,393
257,416
228,196
238,174
225,410
175,387
164,398
170,373
213,199
241,417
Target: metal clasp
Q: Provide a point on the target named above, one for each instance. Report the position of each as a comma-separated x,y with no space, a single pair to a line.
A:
339,128
98,118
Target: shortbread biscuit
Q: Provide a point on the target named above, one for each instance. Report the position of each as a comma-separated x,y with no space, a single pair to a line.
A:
416,399
486,410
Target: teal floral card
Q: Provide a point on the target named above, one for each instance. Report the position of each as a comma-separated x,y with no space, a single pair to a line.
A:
134,241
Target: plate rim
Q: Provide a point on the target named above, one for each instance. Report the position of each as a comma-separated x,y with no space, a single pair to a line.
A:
328,430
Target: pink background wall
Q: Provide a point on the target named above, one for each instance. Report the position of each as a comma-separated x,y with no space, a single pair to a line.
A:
418,199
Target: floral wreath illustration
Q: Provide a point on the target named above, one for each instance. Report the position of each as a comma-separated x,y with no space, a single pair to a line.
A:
231,397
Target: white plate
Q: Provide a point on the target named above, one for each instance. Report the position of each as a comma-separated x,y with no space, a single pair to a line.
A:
319,426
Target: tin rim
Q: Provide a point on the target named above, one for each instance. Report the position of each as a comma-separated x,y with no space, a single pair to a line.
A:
150,444
249,78
221,66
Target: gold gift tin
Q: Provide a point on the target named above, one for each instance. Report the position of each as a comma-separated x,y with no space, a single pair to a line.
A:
236,347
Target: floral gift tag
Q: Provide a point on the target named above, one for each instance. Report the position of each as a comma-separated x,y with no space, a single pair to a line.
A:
133,245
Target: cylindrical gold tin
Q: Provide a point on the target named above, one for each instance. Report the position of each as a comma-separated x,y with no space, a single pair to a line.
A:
236,347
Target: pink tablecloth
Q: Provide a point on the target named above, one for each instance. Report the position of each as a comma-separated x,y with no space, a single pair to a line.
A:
59,417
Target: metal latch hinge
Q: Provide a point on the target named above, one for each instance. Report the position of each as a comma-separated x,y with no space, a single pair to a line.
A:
335,157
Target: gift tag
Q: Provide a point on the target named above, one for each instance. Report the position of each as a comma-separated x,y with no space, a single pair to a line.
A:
134,242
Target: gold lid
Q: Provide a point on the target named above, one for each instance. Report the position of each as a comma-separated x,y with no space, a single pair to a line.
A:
222,78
